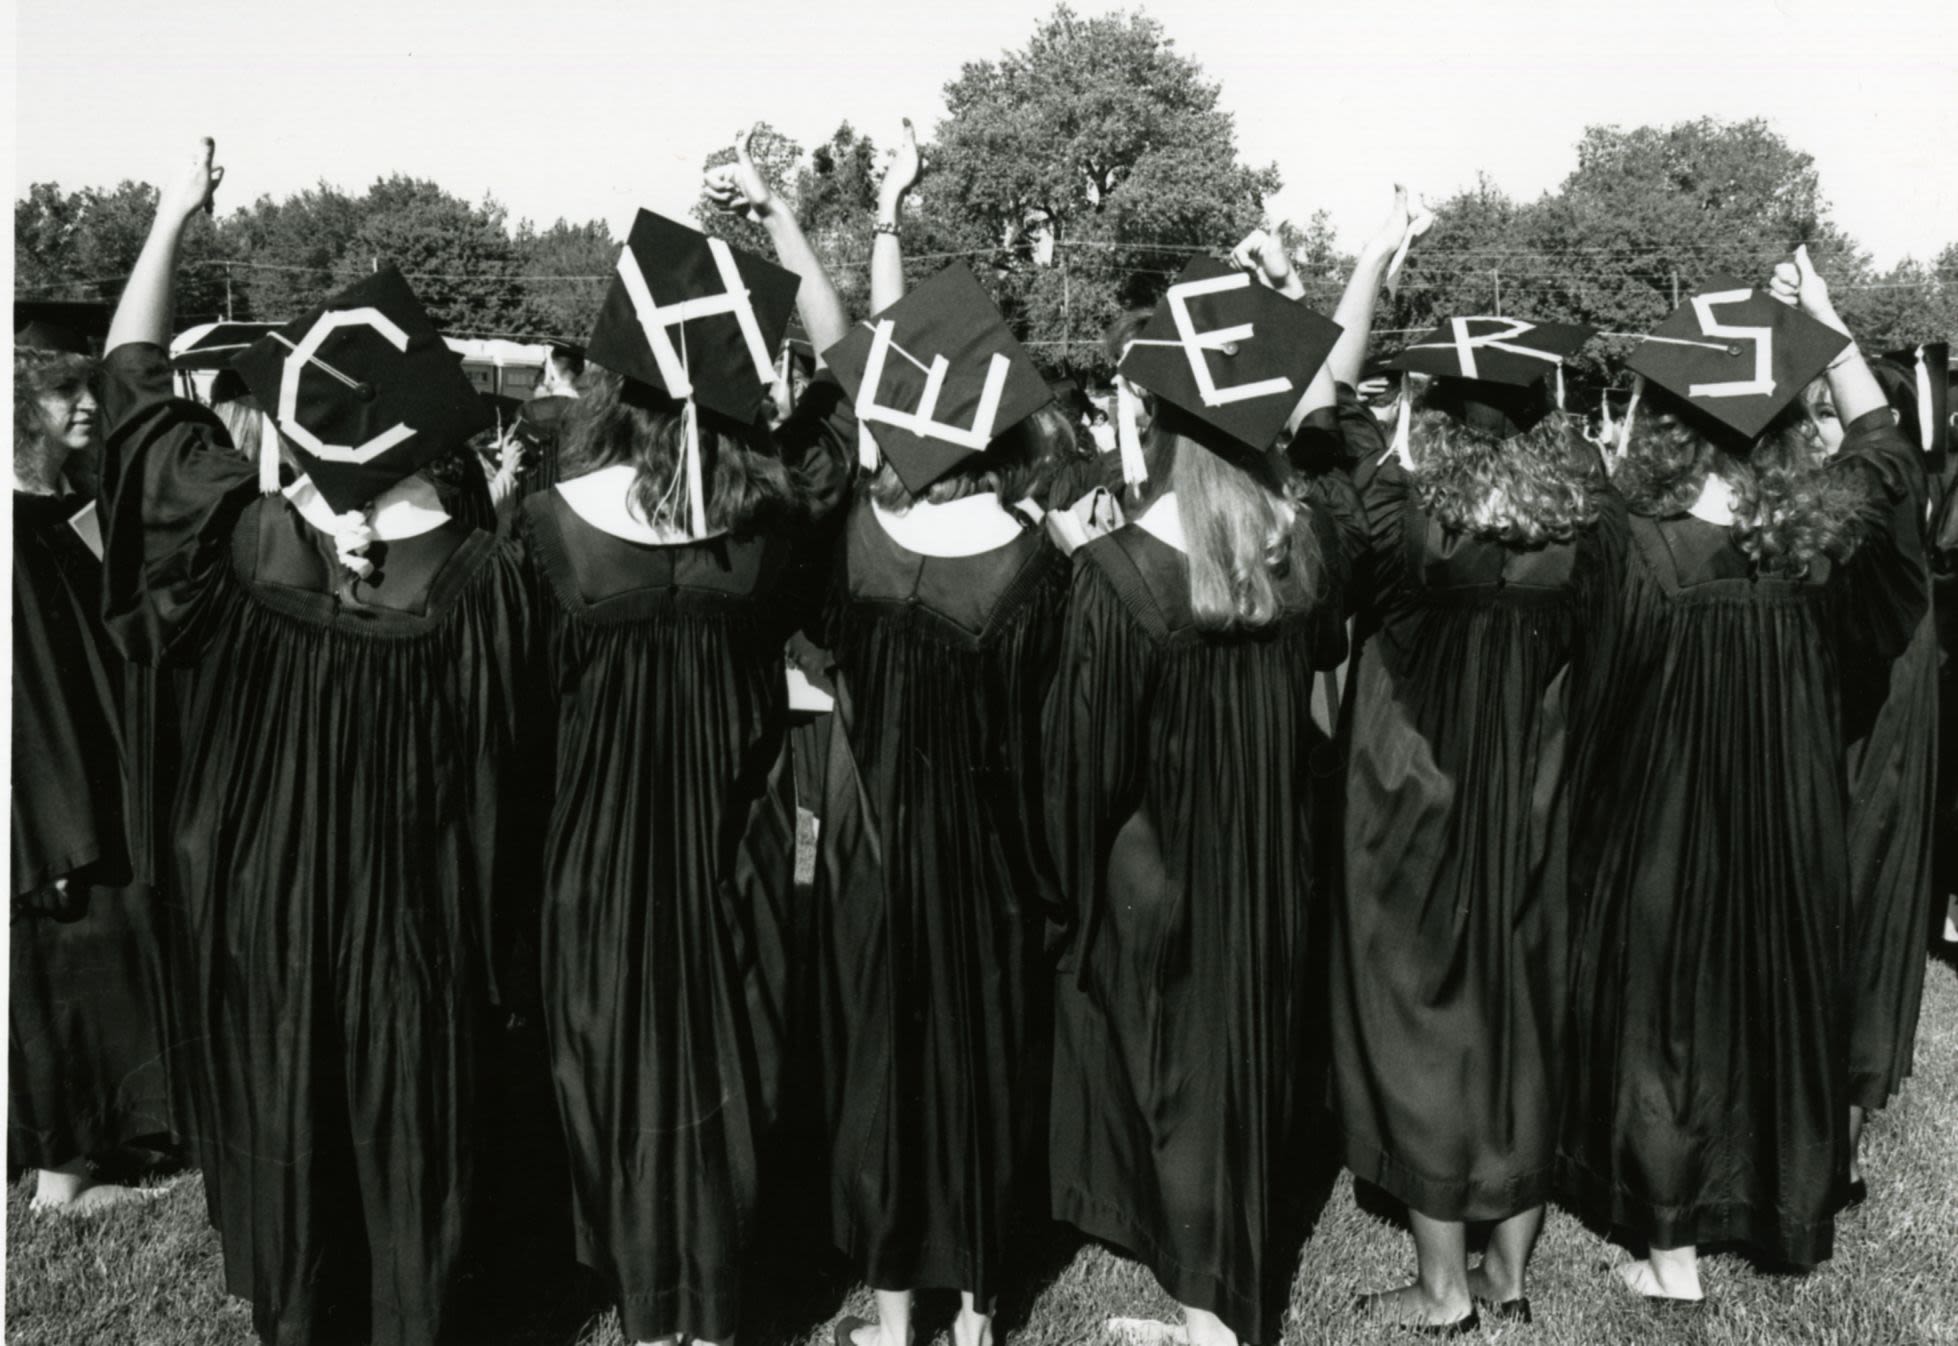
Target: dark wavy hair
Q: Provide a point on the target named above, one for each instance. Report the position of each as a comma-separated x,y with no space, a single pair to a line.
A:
1791,505
1246,520
1017,464
1529,489
748,485
37,374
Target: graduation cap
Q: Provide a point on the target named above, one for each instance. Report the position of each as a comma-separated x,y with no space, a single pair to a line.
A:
212,345
1737,354
364,390
1232,353
59,326
937,377
1488,369
698,319
1929,369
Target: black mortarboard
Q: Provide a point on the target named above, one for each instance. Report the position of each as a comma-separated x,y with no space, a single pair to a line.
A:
1928,367
214,344
1230,352
695,317
1487,370
937,377
59,326
1737,354
364,389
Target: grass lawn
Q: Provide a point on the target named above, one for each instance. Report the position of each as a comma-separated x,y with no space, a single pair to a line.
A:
152,1274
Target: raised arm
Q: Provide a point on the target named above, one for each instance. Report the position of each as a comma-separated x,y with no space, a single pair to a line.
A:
148,304
886,256
1852,387
1355,312
740,187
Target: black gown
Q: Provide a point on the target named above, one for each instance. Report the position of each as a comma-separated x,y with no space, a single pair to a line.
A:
670,937
335,835
935,889
84,1062
1893,788
1182,772
1448,954
1707,1066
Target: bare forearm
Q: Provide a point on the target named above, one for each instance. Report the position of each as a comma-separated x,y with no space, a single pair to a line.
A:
1355,313
147,308
817,301
886,271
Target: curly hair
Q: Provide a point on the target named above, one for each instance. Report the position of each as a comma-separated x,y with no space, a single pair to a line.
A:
1246,520
1529,489
1017,464
36,375
748,485
1791,504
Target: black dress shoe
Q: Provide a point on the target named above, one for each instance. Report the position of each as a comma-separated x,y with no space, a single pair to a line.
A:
846,1328
1855,1194
1509,1311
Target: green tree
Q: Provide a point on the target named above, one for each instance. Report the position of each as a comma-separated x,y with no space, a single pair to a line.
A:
1099,136
82,245
554,303
459,258
290,251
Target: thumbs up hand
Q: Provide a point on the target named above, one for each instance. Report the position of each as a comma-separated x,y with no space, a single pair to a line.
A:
739,186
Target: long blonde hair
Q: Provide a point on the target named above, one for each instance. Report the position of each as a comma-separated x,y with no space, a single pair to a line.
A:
1252,552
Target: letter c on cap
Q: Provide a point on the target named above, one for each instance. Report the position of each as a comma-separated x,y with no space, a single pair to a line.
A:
302,354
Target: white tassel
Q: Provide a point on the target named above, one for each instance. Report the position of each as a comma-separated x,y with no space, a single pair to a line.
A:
1128,435
696,495
1926,429
268,455
1631,414
867,458
1403,448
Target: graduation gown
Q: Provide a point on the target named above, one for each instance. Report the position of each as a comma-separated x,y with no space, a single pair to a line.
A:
1708,1055
84,1057
1182,770
935,889
1893,786
669,938
334,847
1448,954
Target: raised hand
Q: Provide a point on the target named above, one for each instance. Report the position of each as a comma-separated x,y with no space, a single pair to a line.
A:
901,173
1264,257
739,187
193,189
1798,284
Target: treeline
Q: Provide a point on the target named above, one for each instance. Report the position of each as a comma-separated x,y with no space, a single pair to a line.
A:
1076,177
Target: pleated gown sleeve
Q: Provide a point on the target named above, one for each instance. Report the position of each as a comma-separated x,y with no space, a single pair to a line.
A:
1093,766
172,489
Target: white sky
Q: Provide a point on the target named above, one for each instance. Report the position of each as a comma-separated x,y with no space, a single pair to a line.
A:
588,108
